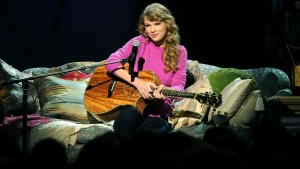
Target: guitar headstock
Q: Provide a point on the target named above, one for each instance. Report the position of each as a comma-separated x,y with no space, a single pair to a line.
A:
210,99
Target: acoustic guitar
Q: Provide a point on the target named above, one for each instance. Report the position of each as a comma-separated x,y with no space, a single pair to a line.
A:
105,94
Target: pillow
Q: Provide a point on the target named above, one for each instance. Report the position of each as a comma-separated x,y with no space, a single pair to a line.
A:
76,66
88,76
74,76
246,114
62,99
37,70
222,77
189,111
233,95
11,95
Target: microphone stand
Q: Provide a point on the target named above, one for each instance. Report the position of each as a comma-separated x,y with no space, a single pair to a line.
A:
25,86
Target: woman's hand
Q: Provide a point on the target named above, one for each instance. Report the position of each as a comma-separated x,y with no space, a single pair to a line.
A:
157,91
144,88
149,90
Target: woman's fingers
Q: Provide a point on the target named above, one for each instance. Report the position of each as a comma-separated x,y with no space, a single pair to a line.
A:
157,92
154,92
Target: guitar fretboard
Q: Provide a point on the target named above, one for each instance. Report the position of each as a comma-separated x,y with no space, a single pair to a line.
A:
178,94
204,98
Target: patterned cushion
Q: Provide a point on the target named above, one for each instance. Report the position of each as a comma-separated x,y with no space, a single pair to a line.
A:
74,76
194,68
206,69
272,81
11,95
62,99
75,66
189,111
37,71
85,135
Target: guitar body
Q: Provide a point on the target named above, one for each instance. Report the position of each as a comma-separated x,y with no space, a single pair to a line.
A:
104,105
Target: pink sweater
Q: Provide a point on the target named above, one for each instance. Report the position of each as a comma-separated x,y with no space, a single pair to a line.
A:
152,56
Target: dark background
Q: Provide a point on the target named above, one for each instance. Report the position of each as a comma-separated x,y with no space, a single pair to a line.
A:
49,33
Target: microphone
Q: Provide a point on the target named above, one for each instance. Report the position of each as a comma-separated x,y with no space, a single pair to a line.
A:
132,57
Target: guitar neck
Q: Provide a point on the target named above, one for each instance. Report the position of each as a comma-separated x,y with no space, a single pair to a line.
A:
205,98
178,94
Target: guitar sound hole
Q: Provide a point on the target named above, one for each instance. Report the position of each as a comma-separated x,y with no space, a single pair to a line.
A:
130,91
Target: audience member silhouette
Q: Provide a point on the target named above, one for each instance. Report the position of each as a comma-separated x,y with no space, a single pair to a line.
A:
103,150
205,155
10,153
48,153
274,146
230,146
173,146
143,146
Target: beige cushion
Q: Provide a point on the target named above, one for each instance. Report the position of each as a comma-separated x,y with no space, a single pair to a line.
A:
233,95
246,114
188,111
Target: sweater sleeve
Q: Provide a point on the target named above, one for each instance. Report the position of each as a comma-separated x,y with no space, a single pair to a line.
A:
122,53
179,78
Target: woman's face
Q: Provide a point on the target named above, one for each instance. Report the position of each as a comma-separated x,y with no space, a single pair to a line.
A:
156,31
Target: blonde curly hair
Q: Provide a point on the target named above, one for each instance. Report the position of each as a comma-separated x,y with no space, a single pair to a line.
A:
158,12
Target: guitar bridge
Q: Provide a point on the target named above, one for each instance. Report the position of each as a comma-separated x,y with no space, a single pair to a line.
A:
111,87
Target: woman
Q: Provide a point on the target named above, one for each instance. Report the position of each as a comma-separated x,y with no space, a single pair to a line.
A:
159,50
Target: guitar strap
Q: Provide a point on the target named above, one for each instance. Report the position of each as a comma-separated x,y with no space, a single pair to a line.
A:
111,87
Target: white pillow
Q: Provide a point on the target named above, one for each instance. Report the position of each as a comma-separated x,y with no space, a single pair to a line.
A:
246,115
233,95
